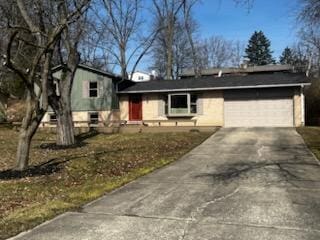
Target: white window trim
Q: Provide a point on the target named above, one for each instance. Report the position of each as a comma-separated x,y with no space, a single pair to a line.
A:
180,114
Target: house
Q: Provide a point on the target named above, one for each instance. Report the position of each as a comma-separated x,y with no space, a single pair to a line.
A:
269,98
141,76
93,97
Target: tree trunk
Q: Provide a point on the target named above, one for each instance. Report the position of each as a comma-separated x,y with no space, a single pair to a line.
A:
65,130
169,64
27,131
23,149
62,104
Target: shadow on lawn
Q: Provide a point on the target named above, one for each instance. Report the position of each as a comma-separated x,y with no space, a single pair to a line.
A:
80,141
55,164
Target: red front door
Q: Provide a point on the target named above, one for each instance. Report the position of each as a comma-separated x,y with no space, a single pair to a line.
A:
135,107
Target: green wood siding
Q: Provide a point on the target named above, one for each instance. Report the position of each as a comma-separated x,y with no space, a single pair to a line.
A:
104,102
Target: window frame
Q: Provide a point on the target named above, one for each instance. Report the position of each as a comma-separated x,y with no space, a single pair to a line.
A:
168,107
91,122
97,89
51,121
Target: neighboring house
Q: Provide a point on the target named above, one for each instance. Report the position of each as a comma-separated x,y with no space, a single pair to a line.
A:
93,97
140,76
248,100
244,70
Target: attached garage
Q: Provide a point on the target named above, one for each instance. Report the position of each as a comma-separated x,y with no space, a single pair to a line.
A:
259,108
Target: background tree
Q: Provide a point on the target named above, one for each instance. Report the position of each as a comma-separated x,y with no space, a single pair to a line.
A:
217,52
190,26
122,20
258,50
167,15
287,56
308,18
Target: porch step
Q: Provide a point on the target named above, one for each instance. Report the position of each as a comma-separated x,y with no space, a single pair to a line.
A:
134,123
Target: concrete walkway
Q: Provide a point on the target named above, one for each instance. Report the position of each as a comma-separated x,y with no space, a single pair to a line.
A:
240,184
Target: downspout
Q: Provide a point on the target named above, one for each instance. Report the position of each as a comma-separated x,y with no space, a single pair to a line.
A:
302,106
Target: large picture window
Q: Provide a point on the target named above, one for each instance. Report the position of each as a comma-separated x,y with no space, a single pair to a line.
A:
182,104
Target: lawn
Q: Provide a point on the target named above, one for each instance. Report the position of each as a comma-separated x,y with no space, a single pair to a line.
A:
311,136
65,179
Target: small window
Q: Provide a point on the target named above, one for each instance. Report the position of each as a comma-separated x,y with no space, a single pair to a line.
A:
140,78
193,103
166,106
52,118
93,89
94,118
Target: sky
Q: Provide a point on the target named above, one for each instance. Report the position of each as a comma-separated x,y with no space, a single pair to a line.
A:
234,22
276,18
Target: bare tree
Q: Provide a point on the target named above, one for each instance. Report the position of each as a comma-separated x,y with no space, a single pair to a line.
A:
166,17
93,45
219,51
60,100
183,57
238,48
41,29
309,12
190,27
121,19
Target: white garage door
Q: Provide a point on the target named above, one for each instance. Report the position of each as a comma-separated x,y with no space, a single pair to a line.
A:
258,111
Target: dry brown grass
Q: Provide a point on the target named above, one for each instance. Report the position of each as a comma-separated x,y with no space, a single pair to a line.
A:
311,136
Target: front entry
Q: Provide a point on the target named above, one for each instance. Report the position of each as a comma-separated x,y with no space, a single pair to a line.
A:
135,107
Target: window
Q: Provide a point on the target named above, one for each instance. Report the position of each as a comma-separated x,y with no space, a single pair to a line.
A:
182,104
94,118
93,89
140,78
52,118
193,103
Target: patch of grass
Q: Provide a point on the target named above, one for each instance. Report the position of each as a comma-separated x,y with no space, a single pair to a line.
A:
311,136
78,175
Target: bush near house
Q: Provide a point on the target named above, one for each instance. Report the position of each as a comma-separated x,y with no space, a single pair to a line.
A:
64,179
312,96
311,136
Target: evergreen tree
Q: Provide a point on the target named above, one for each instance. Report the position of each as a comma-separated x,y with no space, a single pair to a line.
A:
287,56
258,50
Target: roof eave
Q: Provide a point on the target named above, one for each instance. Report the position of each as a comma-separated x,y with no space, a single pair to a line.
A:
88,68
216,88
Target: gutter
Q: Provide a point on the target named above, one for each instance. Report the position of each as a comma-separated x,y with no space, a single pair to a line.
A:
216,88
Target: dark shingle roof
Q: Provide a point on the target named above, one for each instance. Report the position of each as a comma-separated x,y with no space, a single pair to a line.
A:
248,70
227,82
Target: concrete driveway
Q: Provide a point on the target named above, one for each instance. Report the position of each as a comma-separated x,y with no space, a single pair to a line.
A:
240,184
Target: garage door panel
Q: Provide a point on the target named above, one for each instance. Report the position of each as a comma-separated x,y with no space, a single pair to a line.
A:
259,112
